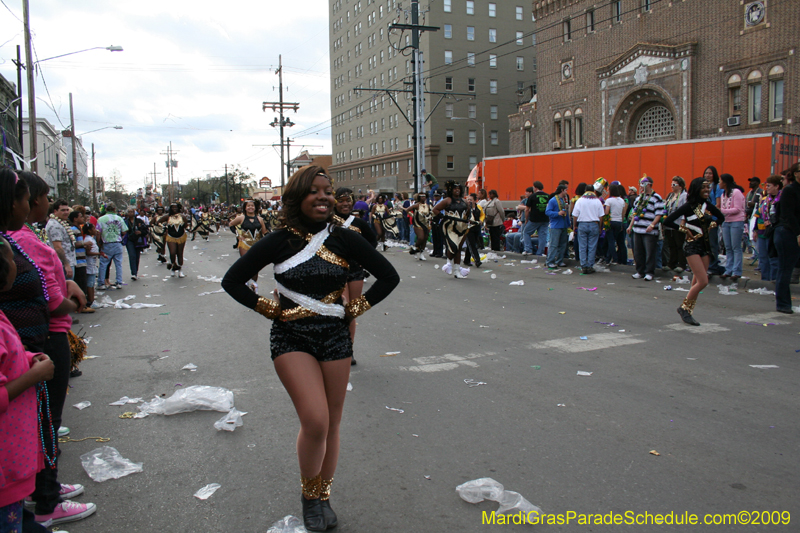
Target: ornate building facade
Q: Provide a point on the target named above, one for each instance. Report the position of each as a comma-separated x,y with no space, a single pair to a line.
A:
643,71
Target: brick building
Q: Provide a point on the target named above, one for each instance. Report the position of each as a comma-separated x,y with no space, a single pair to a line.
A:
482,54
642,71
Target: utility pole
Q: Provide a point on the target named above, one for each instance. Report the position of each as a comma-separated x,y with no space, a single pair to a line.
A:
31,89
227,196
74,148
171,163
417,90
153,175
18,62
94,184
279,106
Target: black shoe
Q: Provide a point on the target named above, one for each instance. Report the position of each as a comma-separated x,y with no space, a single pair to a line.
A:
313,518
353,361
235,246
687,317
478,265
169,266
590,270
330,517
787,311
75,373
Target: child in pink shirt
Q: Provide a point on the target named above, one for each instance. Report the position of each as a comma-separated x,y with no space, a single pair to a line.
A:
21,455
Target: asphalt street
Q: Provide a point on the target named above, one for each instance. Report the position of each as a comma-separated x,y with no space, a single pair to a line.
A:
487,378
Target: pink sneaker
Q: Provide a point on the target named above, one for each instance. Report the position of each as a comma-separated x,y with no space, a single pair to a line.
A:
66,492
67,511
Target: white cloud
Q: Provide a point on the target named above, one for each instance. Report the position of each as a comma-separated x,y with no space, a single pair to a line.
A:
194,73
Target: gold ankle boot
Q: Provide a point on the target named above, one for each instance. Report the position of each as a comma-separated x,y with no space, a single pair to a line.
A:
325,489
688,305
685,311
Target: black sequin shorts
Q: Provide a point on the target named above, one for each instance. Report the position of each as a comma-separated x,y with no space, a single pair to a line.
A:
326,338
356,274
698,247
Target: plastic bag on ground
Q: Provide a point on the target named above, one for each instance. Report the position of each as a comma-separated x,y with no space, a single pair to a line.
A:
230,421
206,492
288,524
196,397
477,490
106,463
513,502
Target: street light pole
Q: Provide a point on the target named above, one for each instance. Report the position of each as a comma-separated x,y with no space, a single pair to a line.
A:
74,148
94,184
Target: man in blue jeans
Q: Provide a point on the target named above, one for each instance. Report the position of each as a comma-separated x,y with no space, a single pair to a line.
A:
536,218
588,214
110,228
558,212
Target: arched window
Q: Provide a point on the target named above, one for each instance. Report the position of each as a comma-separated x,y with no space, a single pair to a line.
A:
528,138
557,132
579,127
657,123
776,93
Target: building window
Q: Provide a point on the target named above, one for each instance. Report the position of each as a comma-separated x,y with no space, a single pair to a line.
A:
520,63
519,12
470,33
448,57
754,97
470,7
473,136
528,148
472,110
568,133
470,59
492,60
494,138
776,100
448,31
616,11
567,30
473,160
492,9
471,85
533,62
492,35
448,84
492,86
590,21
448,110
448,7
519,38
451,165
655,124
450,136
647,5
493,112
578,127
734,95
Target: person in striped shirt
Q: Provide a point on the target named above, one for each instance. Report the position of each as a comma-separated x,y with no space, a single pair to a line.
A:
647,213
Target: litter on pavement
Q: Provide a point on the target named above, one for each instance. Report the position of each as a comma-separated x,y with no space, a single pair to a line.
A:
82,405
231,421
196,397
207,491
125,400
486,488
473,383
584,373
102,464
393,409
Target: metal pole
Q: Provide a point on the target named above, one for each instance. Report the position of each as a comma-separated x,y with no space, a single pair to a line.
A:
483,158
288,160
74,148
31,90
414,88
227,195
19,93
280,99
94,184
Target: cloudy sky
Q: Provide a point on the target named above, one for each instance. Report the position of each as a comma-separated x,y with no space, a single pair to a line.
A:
192,72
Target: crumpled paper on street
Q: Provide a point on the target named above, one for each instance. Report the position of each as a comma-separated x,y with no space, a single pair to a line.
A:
105,301
231,421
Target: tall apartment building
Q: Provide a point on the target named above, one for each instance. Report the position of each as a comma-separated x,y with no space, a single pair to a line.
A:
642,71
482,57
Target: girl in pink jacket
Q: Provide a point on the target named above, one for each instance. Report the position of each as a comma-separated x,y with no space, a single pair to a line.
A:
21,455
732,206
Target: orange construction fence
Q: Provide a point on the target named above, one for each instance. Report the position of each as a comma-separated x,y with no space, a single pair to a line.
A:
742,157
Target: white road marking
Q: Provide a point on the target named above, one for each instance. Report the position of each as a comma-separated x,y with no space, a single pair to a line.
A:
761,318
703,328
596,342
438,363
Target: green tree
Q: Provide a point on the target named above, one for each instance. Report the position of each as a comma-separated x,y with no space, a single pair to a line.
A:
115,189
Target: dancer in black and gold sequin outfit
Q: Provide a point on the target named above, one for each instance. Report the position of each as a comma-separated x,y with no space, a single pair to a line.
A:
310,343
699,217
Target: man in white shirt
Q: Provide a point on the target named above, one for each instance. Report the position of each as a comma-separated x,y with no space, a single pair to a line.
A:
587,215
